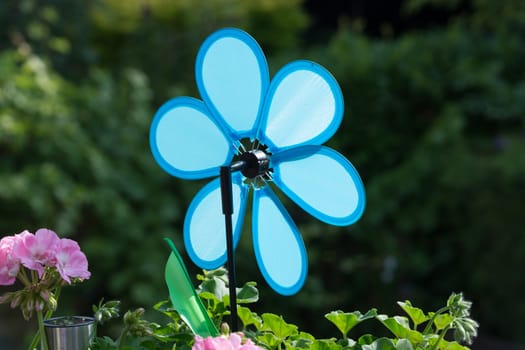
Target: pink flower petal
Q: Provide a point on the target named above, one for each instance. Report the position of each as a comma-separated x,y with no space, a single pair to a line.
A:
9,265
38,250
233,342
70,261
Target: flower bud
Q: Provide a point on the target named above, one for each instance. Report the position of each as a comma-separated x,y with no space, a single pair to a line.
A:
15,301
44,294
39,305
52,303
30,303
225,328
27,313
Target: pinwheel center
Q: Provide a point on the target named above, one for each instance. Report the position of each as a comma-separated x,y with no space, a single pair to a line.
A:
256,162
253,161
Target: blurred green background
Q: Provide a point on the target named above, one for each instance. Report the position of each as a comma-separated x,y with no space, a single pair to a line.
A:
434,122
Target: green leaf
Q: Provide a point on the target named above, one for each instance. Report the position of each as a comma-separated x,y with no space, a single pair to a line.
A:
104,343
302,340
248,317
248,293
163,305
278,326
404,344
325,344
269,340
366,339
400,328
416,314
345,321
216,286
446,345
380,344
443,320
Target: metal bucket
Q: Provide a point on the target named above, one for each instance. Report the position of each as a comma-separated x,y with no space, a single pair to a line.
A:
69,332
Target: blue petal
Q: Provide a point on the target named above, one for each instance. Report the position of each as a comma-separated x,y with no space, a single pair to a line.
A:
304,106
186,142
204,225
232,77
322,182
278,246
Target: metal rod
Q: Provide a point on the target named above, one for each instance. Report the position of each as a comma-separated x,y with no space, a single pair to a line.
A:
227,210
252,164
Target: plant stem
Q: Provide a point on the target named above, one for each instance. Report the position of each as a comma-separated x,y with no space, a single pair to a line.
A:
43,340
48,314
35,341
431,321
120,341
441,336
22,276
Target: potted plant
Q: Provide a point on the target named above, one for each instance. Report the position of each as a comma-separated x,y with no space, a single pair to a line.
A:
42,263
449,328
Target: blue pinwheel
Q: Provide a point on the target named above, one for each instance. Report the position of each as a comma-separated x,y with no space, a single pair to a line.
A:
286,120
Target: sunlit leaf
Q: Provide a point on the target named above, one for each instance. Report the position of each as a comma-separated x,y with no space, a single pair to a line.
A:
416,315
345,321
278,326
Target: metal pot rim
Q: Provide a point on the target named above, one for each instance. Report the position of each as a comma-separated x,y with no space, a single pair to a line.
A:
77,321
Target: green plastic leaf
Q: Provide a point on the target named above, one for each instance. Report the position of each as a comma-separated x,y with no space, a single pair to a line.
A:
278,326
184,298
443,320
400,328
416,314
345,321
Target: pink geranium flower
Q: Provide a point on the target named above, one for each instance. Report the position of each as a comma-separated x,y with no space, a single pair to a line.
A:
9,266
70,261
55,260
35,251
232,342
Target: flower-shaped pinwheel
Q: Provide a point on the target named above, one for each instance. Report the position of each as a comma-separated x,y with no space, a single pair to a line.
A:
288,119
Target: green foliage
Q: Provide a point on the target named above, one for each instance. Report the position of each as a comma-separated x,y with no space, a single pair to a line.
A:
271,331
69,163
434,124
171,32
345,321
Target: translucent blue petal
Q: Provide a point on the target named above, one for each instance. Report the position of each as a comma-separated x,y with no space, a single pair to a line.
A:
322,182
232,77
278,246
304,106
186,142
204,227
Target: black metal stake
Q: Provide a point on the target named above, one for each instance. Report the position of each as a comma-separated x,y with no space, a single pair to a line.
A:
252,164
227,210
